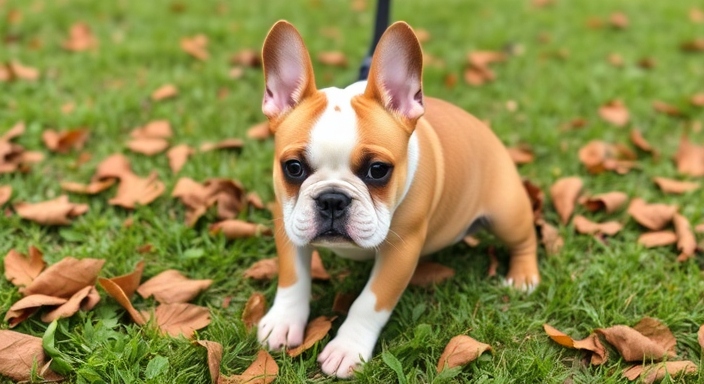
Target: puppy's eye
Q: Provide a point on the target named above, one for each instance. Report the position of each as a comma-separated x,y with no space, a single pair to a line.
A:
378,172
294,169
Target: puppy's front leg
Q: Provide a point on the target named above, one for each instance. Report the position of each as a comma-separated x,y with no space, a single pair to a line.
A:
393,268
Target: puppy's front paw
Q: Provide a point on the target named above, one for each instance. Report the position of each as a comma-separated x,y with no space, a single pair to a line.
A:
343,355
525,280
282,328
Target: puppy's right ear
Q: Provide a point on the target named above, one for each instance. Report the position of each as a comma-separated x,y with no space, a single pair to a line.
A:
288,72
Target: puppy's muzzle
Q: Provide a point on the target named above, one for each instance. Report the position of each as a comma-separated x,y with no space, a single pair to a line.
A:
332,213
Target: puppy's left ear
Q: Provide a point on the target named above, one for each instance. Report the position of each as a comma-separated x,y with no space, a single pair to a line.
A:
395,75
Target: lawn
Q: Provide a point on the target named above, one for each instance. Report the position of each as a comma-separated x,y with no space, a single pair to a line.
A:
557,71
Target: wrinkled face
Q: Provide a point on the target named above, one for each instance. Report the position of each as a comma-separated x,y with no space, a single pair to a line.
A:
341,168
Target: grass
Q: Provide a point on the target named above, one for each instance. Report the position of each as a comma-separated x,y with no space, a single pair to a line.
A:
587,286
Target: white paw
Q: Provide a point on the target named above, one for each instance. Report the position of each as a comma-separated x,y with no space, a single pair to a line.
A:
343,355
527,285
282,328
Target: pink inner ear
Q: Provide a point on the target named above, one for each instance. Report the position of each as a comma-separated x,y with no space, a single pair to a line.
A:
285,77
401,85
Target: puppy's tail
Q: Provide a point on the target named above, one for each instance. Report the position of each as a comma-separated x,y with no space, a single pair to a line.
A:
383,12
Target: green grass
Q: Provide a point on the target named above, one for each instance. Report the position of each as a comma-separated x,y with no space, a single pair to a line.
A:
587,286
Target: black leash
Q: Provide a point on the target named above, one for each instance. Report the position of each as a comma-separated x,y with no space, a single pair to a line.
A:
380,25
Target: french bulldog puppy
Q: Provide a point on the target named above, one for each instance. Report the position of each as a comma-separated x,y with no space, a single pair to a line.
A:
377,171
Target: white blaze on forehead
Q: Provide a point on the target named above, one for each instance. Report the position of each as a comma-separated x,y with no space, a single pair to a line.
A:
334,135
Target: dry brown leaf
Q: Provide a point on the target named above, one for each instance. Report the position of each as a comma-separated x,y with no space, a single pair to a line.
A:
694,45
585,226
232,143
315,331
652,216
667,109
85,299
265,269
697,100
333,58
478,71
65,278
696,15
537,199
599,156
618,20
14,132
116,292
58,211
21,270
178,155
428,273
18,355
227,194
171,286
550,238
615,112
564,196
700,336
639,141
129,282
247,58
80,38
521,154
93,188
493,262
657,239
65,141
254,200
196,46
654,372
610,201
675,186
591,343
461,350
649,339
115,166
148,146
25,307
317,269
647,63
263,370
615,59
342,302
5,194
686,243
690,158
238,229
135,190
164,92
181,318
254,310
214,358
259,131
154,129
18,71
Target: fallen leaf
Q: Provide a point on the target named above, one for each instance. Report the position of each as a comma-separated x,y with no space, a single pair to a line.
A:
521,154
148,146
599,156
85,299
65,141
171,286
478,71
333,58
610,202
65,278
135,190
262,371
686,243
93,188
14,132
80,38
696,15
21,270
614,112
591,343
247,57
615,59
550,238
461,350
537,199
649,339
178,155
342,302
640,142
254,200
115,166
651,216
196,46
667,109
585,226
697,100
655,372
177,319
232,143
317,270
129,282
579,122
428,273
700,336
694,45
690,158
152,130
227,194
657,239
22,72
25,307
116,292
58,211
470,241
254,310
675,186
5,194
619,20
18,355
259,131
214,350
164,92
238,229
493,262
265,269
647,63
236,72
564,196
315,331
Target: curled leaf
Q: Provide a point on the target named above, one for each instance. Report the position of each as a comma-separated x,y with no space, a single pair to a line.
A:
317,269
65,278
657,239
196,46
461,350
614,112
21,270
171,286
585,226
265,269
649,339
610,202
18,355
564,196
238,229
263,370
654,372
65,141
259,131
690,158
181,318
675,186
164,92
85,299
214,358
599,156
135,190
428,273
178,155
25,307
129,282
116,292
652,216
686,243
639,141
148,146
58,211
591,343
93,188
254,310
315,331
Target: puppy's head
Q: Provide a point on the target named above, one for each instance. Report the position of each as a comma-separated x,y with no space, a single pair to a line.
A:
344,158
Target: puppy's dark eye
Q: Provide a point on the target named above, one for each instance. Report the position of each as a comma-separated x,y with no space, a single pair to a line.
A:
294,170
378,172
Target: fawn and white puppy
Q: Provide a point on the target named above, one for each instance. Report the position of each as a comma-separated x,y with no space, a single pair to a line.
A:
377,171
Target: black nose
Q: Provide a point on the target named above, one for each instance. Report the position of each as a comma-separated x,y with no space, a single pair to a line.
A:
332,204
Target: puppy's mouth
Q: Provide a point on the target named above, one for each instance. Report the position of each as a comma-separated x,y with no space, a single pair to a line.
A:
332,235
